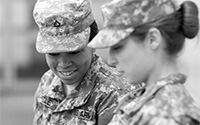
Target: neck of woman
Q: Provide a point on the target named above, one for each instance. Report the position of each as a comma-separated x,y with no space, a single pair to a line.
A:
69,88
162,70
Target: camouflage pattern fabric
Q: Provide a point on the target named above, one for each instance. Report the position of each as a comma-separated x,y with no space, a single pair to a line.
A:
92,102
63,24
164,103
121,17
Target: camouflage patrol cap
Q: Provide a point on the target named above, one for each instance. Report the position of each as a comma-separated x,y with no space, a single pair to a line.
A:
63,25
122,16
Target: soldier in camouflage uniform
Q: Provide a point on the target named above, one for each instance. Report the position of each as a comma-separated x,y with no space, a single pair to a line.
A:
79,88
145,37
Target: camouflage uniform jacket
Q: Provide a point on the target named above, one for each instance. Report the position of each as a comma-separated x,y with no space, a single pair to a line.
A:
164,103
92,102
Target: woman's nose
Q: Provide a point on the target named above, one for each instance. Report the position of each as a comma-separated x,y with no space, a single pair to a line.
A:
112,61
65,61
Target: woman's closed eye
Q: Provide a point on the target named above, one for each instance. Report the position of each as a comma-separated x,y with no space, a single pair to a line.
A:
117,48
75,52
53,54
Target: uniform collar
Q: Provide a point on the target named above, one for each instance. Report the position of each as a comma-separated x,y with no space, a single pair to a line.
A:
141,96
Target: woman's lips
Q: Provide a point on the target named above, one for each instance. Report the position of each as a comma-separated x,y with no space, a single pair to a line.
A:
67,73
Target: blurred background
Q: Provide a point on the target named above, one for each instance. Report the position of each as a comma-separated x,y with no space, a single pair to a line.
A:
21,66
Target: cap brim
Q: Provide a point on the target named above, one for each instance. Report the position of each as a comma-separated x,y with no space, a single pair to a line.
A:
50,44
109,37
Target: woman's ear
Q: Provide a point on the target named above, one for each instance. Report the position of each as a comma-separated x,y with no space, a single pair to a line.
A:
154,38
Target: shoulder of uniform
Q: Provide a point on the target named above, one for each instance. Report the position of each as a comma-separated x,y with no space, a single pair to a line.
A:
176,98
111,80
47,78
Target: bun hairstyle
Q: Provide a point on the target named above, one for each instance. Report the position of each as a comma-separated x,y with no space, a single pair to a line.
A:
190,21
184,23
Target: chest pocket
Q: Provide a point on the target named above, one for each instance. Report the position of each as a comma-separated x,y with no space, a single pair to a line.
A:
73,117
84,114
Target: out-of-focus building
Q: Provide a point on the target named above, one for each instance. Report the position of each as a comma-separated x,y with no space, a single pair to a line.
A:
18,57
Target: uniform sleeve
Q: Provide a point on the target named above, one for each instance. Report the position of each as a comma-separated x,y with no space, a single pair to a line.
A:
106,108
174,107
179,120
37,111
159,120
38,108
41,111
112,86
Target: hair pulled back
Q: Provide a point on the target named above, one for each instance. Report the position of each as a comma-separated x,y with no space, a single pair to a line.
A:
190,22
184,23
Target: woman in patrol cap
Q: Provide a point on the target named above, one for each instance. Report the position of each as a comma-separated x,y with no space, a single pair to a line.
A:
145,38
79,89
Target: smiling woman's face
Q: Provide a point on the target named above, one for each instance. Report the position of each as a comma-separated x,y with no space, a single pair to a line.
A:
70,67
